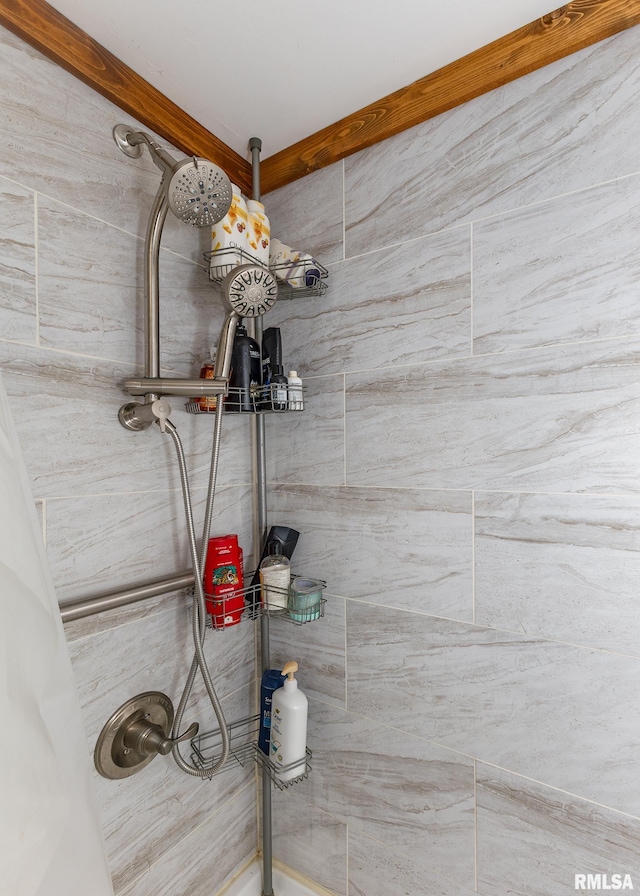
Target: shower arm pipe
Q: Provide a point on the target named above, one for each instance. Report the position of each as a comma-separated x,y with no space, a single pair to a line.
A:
111,600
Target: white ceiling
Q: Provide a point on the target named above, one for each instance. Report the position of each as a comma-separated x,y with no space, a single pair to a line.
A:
283,69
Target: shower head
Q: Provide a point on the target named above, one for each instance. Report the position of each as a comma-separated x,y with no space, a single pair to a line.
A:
198,192
247,291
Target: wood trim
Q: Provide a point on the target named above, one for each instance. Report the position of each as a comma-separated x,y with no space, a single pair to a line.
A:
40,25
560,33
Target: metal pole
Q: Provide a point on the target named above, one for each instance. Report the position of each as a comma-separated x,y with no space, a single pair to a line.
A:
260,531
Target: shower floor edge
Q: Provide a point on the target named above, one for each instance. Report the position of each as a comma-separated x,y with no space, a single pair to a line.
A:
249,883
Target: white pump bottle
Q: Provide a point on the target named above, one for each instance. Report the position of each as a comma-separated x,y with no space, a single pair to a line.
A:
289,710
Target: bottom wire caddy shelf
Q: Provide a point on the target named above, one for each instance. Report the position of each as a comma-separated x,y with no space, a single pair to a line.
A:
207,748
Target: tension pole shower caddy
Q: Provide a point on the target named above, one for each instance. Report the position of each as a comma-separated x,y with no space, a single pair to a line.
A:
198,193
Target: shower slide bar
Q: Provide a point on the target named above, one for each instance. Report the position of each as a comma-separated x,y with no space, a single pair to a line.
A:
110,600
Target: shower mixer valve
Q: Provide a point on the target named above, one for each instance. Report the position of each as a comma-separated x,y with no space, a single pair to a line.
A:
135,733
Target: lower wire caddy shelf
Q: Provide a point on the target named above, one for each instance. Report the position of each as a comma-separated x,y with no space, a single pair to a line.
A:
206,748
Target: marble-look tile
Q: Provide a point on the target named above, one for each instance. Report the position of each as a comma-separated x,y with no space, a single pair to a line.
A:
91,296
57,140
562,270
17,263
404,548
309,446
66,413
563,567
191,315
90,285
394,787
106,542
566,126
564,715
552,419
108,619
307,214
153,812
203,862
533,840
154,654
409,304
315,845
377,870
319,649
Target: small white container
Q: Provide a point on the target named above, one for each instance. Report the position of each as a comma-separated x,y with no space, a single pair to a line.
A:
294,390
289,710
259,231
303,274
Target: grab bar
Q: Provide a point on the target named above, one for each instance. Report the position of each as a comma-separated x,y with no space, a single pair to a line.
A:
109,600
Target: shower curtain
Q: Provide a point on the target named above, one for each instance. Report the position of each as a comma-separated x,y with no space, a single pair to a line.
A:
50,837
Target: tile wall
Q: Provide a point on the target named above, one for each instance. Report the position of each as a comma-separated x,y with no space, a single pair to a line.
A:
466,477
73,213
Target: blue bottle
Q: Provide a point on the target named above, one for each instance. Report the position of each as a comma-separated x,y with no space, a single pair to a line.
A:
272,679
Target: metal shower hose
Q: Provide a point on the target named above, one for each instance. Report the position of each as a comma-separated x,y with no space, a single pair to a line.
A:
199,612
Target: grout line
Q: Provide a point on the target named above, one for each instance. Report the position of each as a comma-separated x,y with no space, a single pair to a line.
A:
576,796
456,358
523,636
516,209
471,351
473,557
36,261
591,496
347,837
346,658
475,824
344,213
620,496
478,759
344,429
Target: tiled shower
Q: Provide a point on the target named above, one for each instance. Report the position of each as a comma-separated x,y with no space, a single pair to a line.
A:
466,476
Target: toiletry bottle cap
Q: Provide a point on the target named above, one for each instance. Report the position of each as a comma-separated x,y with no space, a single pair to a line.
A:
290,683
293,373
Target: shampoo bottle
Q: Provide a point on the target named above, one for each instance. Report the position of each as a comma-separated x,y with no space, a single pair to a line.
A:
272,679
229,237
289,707
246,373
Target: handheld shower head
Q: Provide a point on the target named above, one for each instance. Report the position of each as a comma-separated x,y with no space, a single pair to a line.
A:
247,291
198,192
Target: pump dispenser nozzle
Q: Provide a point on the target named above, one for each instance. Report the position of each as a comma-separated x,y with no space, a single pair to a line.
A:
289,670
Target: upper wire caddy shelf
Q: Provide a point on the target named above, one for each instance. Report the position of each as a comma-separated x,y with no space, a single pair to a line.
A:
285,604
304,279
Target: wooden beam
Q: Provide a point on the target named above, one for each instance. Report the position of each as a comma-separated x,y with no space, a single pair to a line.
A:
560,33
40,25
